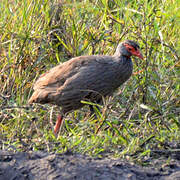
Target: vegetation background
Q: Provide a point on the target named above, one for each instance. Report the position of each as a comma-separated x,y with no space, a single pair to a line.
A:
140,122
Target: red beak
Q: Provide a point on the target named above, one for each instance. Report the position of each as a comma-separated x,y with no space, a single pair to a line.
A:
138,54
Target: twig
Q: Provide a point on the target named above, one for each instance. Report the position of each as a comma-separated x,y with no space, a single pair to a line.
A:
16,107
4,97
172,50
166,151
51,113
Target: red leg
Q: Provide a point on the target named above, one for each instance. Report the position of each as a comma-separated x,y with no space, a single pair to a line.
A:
58,124
135,73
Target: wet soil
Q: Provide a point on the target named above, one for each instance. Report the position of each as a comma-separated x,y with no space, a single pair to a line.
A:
69,166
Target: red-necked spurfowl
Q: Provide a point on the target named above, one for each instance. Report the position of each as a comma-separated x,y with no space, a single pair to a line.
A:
87,78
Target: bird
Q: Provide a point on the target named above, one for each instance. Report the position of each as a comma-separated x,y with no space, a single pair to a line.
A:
85,78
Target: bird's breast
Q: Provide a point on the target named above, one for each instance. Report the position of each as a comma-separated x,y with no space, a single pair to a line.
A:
122,73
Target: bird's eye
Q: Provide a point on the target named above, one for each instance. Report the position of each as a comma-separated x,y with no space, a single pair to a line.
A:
129,48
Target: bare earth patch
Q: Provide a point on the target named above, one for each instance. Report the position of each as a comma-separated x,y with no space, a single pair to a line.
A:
42,166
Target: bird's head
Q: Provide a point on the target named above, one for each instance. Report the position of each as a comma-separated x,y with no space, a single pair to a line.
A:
128,48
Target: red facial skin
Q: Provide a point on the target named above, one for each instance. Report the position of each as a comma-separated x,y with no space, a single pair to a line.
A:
133,51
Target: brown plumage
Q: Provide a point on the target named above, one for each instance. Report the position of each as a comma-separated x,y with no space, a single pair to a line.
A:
85,78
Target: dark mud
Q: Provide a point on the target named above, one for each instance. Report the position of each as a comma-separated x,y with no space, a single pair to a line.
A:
42,166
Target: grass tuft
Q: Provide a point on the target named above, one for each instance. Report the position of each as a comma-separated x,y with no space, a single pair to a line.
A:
140,120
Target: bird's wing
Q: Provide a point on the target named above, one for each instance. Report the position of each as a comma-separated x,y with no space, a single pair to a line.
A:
57,76
74,80
95,76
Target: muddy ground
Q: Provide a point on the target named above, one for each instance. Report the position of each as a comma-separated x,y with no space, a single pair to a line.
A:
42,166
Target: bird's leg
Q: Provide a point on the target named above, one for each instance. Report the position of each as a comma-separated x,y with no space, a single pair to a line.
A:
99,101
92,111
58,125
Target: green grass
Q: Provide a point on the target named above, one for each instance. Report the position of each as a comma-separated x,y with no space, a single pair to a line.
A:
142,116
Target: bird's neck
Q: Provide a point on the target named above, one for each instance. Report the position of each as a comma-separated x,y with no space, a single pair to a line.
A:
123,59
125,66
